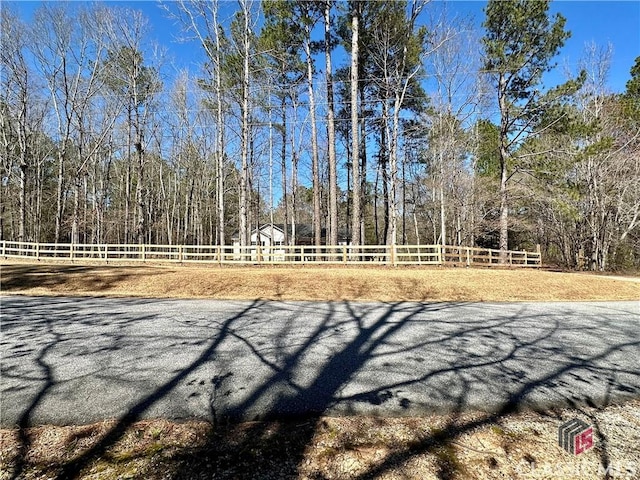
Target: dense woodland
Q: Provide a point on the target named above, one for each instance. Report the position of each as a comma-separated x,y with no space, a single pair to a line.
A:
384,122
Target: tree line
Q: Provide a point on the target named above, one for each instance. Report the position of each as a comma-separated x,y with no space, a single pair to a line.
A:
383,122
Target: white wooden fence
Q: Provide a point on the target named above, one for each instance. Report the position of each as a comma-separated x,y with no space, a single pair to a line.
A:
255,254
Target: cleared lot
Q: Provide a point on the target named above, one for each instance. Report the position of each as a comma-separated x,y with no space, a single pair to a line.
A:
269,283
503,444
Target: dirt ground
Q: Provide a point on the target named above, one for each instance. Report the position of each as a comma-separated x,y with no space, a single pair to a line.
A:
471,446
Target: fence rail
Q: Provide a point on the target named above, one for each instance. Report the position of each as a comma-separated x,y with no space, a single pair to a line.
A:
281,254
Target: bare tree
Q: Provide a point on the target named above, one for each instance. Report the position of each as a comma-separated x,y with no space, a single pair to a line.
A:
67,51
137,84
20,120
609,166
309,19
398,51
201,19
356,233
332,237
244,18
456,102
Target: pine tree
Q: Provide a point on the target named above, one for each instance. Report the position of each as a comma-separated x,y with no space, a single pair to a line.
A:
520,43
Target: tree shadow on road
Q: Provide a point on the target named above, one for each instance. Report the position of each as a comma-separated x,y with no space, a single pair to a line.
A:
268,363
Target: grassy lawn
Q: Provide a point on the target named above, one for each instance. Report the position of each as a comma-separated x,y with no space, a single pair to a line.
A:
469,445
312,283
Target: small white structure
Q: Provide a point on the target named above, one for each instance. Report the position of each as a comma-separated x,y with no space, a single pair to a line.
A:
267,243
264,242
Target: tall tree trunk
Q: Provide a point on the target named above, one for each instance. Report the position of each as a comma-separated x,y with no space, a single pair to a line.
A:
23,200
294,177
348,212
294,194
140,200
85,220
185,218
39,187
355,146
363,164
22,143
504,208
59,190
404,203
443,217
75,231
165,205
393,174
384,167
244,139
127,201
504,155
97,227
376,224
283,160
220,139
175,209
271,200
332,238
220,184
127,197
317,227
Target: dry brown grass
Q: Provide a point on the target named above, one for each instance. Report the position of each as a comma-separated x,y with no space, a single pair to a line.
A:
434,447
312,283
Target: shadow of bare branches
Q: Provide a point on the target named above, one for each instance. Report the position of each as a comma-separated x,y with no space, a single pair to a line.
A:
18,277
293,361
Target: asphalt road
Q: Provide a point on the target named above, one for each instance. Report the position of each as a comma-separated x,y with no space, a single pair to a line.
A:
79,360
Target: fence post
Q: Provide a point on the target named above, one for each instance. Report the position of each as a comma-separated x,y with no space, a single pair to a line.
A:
344,254
180,247
526,259
468,257
143,253
511,258
38,251
393,254
4,248
490,261
71,251
440,255
539,254
219,254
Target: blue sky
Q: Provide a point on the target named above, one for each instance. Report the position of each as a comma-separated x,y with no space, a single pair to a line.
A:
617,22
